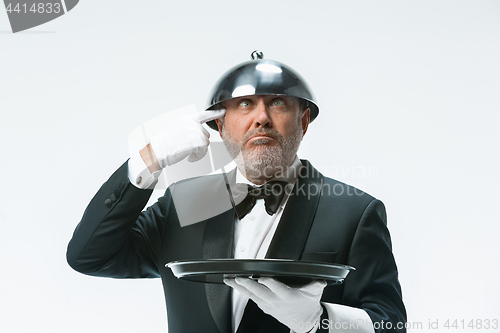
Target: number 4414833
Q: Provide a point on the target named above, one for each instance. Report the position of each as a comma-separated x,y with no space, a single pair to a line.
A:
36,8
472,324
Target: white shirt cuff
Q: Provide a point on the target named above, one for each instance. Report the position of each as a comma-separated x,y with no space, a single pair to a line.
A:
346,319
139,174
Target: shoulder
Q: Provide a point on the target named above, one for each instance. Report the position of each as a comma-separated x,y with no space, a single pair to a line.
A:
336,188
340,202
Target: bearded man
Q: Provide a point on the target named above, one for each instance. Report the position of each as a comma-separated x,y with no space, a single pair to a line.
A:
262,110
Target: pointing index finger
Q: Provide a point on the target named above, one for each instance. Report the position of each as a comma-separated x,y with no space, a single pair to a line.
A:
208,115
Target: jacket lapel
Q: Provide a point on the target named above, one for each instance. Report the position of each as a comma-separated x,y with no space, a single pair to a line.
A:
293,229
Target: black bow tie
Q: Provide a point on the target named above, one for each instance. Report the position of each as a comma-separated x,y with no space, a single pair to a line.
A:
272,192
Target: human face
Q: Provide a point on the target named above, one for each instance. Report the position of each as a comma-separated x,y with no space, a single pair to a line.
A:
263,133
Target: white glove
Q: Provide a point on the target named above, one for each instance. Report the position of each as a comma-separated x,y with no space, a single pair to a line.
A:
297,308
184,137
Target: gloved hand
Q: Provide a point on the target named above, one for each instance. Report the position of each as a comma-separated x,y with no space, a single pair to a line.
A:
184,137
297,308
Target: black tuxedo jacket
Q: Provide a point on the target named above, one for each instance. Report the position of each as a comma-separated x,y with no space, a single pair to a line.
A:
324,220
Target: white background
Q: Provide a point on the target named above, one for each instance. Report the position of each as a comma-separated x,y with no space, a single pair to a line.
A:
409,98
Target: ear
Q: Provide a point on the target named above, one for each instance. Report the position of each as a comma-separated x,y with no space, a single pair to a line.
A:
305,120
219,125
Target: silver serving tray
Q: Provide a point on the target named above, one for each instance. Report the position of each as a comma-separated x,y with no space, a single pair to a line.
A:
291,272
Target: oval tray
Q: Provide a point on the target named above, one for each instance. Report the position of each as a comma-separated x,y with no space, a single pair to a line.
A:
291,272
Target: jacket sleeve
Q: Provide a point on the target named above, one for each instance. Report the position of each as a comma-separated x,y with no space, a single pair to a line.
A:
375,287
115,238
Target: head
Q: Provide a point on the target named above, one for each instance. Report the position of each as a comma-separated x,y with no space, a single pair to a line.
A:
268,109
263,133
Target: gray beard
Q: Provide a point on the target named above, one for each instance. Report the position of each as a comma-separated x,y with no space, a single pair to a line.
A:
264,161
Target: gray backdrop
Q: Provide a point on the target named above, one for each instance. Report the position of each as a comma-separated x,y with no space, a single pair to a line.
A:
409,98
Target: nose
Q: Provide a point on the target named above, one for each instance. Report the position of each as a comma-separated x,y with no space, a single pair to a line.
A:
262,118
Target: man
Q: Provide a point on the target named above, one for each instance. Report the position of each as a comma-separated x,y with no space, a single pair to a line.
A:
262,110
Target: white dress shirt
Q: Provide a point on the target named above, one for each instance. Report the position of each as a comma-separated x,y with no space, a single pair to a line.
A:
253,233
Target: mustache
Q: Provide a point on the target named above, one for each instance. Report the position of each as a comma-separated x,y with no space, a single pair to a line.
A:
265,132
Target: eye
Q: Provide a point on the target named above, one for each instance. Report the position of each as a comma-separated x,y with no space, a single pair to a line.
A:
277,102
244,103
